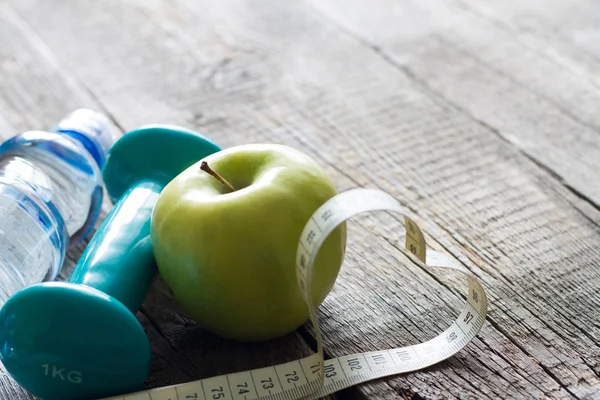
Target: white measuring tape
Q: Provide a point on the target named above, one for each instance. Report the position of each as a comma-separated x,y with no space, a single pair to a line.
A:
313,377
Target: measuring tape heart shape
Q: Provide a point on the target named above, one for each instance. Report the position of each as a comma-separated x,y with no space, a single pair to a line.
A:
313,377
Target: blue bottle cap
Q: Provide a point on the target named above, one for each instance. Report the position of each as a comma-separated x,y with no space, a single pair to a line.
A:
92,129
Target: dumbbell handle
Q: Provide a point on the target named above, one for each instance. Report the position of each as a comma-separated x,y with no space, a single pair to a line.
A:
122,241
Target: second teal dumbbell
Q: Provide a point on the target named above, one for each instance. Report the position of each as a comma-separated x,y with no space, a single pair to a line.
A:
80,339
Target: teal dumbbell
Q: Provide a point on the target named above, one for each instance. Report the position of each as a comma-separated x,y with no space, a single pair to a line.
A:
80,339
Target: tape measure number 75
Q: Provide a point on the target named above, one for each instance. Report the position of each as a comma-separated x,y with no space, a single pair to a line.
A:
313,377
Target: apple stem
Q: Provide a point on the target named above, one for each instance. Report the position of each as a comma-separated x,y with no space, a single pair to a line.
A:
204,167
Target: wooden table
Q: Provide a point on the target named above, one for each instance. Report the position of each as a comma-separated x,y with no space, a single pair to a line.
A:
481,117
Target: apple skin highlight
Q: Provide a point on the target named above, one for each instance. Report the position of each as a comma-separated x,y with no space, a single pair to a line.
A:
229,257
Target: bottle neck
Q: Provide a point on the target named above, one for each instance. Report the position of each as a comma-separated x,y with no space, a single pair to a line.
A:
91,146
90,128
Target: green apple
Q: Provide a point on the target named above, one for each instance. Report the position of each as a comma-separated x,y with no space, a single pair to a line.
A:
229,256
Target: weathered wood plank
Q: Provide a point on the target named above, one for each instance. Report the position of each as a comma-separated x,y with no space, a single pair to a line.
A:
569,29
539,105
9,389
5,127
35,91
254,73
470,211
447,66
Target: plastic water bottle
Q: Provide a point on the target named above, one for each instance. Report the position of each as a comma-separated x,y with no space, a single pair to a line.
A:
51,194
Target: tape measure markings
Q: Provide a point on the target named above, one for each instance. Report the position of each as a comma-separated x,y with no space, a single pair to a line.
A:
313,377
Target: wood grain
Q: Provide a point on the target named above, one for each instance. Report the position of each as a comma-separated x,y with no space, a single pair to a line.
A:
543,107
247,71
5,127
570,31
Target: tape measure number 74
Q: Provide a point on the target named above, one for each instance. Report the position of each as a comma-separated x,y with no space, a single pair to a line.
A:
313,377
